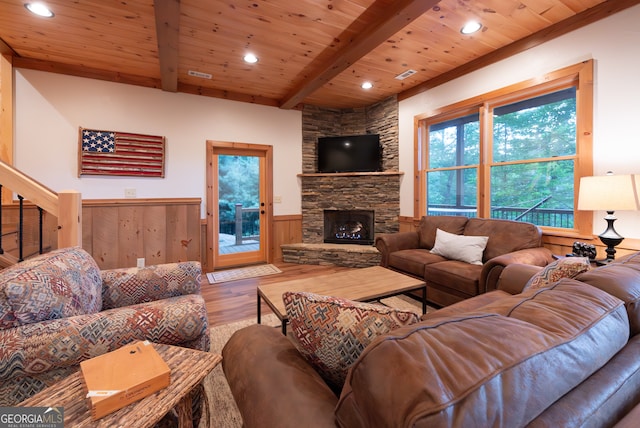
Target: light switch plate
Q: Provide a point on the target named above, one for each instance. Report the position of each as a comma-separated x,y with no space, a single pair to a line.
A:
141,262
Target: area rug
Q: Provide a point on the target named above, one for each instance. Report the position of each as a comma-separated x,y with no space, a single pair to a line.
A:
242,273
223,411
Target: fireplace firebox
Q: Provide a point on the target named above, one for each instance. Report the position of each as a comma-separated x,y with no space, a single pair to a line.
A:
349,227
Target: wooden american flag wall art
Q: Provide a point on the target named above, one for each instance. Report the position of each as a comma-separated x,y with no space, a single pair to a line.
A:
120,153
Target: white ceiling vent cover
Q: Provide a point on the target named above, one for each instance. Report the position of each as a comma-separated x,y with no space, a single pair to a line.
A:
406,74
199,74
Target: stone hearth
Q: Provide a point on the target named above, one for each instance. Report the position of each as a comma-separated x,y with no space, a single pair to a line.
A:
351,255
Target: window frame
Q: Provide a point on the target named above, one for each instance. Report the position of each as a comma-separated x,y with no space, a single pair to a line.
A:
578,75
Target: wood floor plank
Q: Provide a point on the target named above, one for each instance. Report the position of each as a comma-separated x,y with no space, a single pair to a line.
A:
237,300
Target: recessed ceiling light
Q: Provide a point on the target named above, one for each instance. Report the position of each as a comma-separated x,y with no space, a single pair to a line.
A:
471,27
367,85
39,9
250,58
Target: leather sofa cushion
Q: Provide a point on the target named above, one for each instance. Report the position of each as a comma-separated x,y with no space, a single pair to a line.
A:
429,224
467,305
413,261
505,236
464,277
621,279
501,365
602,398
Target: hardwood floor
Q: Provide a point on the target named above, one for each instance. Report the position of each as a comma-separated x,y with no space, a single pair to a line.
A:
237,300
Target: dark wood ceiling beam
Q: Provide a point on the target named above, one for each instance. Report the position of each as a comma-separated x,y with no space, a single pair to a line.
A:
167,32
577,21
5,49
401,14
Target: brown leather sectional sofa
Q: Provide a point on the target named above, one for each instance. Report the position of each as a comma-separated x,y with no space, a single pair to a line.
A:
450,281
561,356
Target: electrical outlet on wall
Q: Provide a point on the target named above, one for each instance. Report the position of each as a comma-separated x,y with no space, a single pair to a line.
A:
141,262
129,193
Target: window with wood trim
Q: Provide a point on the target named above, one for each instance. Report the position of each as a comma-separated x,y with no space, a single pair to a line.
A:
517,153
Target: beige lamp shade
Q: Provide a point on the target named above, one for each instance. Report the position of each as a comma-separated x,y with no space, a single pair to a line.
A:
609,193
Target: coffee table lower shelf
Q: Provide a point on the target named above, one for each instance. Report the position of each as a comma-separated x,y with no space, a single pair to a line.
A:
362,285
188,368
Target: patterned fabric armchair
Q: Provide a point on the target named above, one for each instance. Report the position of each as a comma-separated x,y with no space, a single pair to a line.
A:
59,309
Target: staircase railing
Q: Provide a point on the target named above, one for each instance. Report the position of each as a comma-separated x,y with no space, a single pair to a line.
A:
65,205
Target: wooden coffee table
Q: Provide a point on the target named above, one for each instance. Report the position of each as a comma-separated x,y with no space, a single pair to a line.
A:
188,368
362,285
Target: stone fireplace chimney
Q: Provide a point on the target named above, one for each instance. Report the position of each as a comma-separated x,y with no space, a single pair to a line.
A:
377,192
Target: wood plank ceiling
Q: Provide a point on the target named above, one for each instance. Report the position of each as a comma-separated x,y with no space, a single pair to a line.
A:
310,51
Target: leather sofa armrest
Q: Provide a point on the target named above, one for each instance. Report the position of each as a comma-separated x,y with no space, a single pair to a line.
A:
492,269
258,362
514,277
387,243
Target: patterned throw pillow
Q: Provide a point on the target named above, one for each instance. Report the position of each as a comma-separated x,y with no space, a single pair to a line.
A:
58,284
332,332
567,267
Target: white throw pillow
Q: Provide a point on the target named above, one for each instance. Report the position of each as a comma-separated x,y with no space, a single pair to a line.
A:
460,247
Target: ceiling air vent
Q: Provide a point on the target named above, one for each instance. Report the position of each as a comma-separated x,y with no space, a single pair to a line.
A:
406,74
199,74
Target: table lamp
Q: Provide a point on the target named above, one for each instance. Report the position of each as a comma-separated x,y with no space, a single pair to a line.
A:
609,193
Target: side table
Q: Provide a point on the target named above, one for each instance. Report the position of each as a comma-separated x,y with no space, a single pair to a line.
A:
188,368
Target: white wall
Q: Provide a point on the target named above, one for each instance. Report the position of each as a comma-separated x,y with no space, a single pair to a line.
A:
49,109
613,44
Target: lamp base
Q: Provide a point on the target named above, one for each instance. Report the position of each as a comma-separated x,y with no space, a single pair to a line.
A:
610,238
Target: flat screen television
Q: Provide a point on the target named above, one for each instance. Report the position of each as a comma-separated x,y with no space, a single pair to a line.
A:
351,153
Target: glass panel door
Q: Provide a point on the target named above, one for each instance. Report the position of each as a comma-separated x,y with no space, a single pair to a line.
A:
240,208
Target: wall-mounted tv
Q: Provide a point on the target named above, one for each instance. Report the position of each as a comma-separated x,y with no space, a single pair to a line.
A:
351,153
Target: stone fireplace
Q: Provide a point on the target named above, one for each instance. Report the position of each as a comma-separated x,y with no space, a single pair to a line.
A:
349,227
374,192
378,193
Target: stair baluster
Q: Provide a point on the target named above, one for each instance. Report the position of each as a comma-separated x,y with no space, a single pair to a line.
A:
1,249
40,235
21,230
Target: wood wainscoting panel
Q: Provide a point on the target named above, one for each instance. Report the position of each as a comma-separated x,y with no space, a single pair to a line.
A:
287,229
116,232
408,224
183,231
155,222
